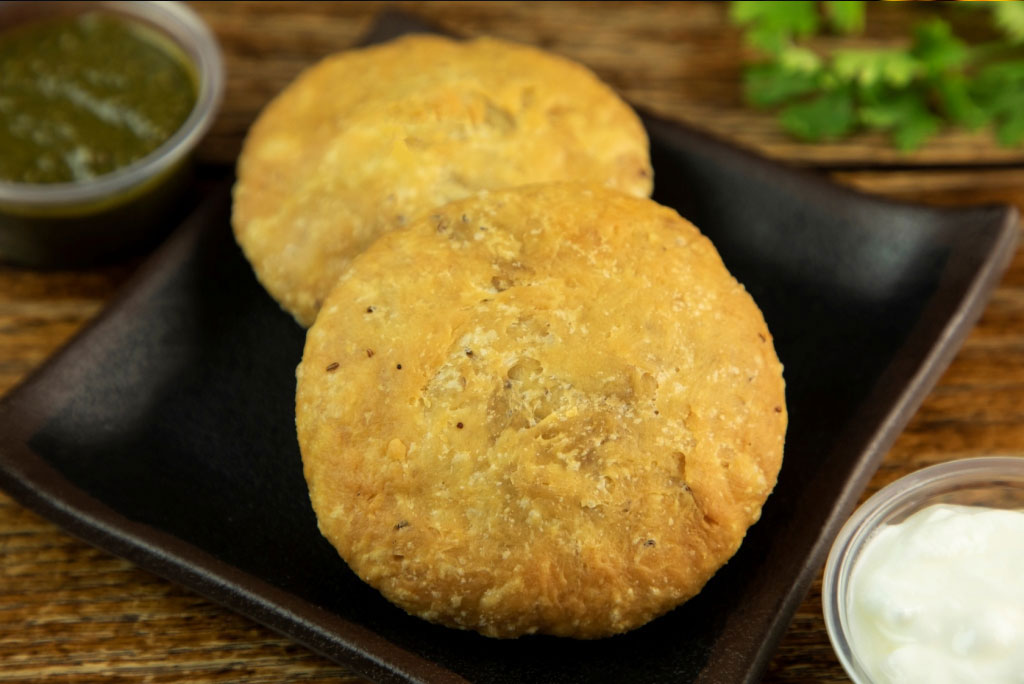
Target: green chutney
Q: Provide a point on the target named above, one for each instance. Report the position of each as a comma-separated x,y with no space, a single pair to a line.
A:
82,96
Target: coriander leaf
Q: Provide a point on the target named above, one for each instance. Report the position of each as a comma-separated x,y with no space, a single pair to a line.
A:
765,85
886,109
796,58
827,116
912,132
1001,75
1009,17
903,112
998,88
957,102
1010,131
868,67
908,92
771,25
845,17
936,46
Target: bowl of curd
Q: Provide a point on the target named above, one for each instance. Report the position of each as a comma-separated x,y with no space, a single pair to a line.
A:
925,582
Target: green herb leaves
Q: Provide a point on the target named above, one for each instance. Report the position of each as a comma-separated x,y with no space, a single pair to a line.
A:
936,48
998,91
824,117
845,17
771,83
772,25
1009,17
909,92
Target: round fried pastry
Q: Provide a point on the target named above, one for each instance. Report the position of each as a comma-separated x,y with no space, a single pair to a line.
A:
548,409
368,140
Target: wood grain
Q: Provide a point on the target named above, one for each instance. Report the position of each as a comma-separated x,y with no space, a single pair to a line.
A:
71,612
680,60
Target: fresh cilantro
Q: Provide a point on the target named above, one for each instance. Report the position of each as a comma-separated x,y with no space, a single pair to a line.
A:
845,17
936,47
767,85
869,67
911,92
999,91
1010,130
1009,17
798,59
796,72
825,117
772,25
904,113
957,103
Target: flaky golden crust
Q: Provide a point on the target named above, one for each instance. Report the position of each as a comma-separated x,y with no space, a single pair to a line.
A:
547,410
368,140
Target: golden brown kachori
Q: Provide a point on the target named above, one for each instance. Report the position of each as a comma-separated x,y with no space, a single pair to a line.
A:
370,139
549,409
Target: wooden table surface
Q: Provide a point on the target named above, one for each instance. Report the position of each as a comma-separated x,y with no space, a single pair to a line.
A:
72,611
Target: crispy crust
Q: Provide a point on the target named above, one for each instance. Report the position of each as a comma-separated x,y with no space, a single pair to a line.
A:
547,410
368,140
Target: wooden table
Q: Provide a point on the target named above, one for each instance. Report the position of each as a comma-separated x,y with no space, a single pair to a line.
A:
67,609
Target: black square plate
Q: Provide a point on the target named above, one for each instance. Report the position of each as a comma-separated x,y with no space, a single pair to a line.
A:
164,432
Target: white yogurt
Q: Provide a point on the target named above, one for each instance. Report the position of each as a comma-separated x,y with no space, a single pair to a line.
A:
939,598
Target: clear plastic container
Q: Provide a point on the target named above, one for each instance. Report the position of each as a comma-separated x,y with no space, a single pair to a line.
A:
993,482
62,224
